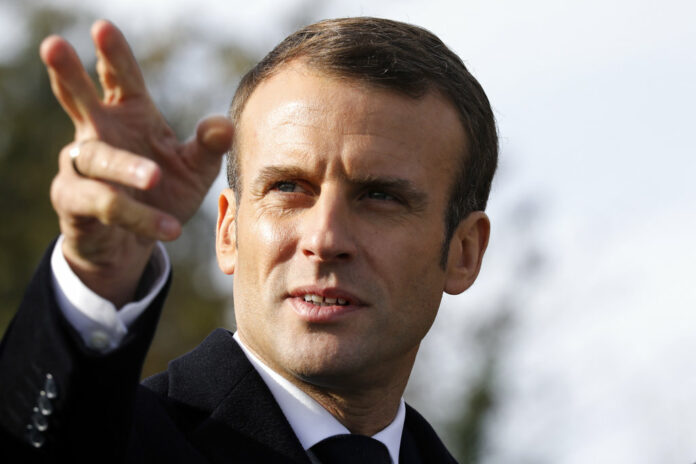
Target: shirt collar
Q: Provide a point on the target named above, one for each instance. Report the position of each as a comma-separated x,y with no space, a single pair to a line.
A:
309,420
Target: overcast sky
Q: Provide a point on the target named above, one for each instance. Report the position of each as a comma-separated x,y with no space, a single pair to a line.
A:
595,104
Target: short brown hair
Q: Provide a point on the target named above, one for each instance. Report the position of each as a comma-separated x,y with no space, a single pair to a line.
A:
403,58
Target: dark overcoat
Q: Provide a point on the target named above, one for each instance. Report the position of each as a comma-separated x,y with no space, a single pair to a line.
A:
210,406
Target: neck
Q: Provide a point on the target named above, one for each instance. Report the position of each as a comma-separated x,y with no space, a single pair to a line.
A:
363,407
365,402
365,413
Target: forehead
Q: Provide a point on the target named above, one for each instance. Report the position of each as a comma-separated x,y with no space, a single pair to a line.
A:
302,113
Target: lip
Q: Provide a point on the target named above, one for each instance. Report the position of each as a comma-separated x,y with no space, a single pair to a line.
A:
309,312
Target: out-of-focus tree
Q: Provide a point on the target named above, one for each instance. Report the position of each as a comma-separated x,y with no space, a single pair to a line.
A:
34,127
467,430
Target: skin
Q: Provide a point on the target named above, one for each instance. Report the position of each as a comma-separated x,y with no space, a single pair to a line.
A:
343,185
141,184
353,208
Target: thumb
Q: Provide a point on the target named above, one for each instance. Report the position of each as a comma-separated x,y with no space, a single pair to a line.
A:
214,136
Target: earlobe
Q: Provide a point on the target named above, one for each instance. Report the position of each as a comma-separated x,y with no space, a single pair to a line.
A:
226,232
466,251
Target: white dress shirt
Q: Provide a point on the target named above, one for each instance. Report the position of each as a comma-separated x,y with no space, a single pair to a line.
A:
102,328
101,325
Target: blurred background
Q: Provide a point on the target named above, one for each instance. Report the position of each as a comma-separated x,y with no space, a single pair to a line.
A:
575,344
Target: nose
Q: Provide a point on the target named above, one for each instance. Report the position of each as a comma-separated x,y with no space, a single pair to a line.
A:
327,232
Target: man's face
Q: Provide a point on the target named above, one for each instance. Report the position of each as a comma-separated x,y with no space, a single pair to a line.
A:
343,194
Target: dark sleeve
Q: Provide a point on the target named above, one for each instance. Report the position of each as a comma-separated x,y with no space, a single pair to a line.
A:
58,399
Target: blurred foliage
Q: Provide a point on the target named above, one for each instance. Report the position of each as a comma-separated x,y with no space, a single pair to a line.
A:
466,433
34,128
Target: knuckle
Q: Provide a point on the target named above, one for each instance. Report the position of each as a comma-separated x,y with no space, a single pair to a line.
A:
98,163
64,156
90,158
107,206
138,219
56,192
86,160
138,224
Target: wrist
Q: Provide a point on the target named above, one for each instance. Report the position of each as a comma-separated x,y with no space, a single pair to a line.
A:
114,277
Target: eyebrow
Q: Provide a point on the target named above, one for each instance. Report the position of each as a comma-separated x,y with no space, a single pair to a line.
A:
415,199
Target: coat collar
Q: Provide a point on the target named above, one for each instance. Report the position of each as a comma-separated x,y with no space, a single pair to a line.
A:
245,424
216,378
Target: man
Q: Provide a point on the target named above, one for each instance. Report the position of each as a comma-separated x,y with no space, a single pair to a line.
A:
359,169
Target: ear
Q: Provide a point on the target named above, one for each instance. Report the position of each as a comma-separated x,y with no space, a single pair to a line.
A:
466,251
226,232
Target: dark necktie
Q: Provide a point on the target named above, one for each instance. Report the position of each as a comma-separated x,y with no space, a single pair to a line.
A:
351,448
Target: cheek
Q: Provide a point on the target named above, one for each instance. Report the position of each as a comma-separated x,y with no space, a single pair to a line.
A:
264,243
269,232
412,253
415,277
263,246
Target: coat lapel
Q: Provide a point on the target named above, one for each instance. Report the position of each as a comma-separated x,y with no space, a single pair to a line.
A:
420,443
242,423
245,424
408,452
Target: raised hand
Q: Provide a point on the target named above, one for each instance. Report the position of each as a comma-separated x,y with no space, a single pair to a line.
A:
136,181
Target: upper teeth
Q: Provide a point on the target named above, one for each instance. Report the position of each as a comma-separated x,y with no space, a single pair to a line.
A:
320,300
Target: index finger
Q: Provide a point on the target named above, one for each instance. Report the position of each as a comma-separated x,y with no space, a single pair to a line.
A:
118,69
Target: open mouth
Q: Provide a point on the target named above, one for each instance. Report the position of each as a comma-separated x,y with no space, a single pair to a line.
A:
323,305
325,301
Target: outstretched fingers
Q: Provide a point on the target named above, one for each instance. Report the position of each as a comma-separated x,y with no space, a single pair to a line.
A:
70,82
118,69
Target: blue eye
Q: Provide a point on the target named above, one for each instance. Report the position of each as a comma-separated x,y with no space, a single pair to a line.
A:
287,187
377,195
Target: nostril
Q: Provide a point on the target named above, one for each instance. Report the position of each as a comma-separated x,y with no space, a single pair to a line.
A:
326,255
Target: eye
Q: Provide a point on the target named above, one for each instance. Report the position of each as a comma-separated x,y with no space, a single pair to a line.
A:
380,195
286,187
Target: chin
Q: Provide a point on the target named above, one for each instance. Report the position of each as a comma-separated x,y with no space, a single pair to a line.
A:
327,365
